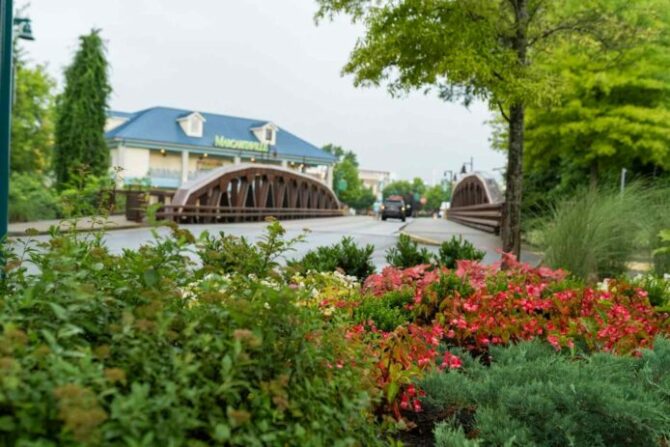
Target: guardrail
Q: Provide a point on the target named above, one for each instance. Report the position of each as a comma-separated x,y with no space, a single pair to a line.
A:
487,217
212,214
138,200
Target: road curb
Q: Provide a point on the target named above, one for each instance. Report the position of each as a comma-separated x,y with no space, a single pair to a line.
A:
421,239
35,232
403,226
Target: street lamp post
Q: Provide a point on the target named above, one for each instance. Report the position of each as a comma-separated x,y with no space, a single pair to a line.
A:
6,26
472,166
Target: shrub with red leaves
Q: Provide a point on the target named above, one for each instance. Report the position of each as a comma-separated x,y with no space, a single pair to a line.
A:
480,305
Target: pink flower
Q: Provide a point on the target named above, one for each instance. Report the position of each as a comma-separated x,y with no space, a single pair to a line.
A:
553,340
470,307
451,361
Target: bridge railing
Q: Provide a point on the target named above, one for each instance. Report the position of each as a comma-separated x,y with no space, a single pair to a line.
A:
212,214
487,217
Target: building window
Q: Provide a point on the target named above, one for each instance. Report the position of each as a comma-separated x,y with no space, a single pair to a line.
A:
269,134
196,127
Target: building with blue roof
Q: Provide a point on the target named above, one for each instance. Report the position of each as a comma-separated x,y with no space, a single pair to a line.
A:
168,146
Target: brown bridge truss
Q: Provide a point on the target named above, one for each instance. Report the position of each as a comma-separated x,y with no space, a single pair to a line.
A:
250,191
477,202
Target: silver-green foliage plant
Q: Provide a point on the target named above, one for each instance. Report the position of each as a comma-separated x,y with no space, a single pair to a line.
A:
530,395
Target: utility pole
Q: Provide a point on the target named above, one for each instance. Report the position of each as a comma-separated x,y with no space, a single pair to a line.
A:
6,25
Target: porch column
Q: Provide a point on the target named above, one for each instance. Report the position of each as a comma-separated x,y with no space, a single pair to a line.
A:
237,160
184,167
329,176
121,163
284,163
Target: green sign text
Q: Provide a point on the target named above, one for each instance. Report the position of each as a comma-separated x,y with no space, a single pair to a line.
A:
229,143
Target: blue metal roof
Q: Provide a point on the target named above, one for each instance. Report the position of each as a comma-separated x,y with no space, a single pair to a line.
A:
119,114
159,124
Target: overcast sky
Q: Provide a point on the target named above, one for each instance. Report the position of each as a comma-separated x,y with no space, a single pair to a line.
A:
262,59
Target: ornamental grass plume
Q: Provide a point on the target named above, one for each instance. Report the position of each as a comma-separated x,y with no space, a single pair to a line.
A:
597,231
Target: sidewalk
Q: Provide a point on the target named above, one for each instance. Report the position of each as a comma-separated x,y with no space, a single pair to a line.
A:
435,231
116,222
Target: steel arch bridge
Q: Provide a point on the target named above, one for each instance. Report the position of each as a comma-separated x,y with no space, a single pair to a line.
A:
477,202
247,192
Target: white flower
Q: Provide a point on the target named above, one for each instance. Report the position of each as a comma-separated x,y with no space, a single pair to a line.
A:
604,285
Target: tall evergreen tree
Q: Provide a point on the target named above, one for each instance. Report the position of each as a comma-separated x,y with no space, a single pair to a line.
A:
81,112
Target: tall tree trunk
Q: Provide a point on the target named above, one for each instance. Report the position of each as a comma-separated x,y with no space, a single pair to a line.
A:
511,229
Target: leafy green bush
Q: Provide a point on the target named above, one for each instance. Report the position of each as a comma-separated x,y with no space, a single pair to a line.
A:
232,254
657,288
594,234
345,255
388,311
457,249
145,348
31,198
662,252
532,396
86,195
406,253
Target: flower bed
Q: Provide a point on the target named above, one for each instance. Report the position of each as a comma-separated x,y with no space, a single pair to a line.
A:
477,306
148,348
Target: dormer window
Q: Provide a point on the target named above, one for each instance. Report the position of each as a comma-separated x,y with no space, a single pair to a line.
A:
267,133
192,124
196,127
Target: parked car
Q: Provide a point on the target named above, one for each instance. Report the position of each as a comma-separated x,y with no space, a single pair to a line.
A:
394,207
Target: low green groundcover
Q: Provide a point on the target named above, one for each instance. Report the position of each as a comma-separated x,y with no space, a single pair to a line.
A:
530,395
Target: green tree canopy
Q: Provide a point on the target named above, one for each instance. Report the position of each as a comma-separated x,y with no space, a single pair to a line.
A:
435,195
347,184
32,117
613,112
484,49
398,188
405,188
82,113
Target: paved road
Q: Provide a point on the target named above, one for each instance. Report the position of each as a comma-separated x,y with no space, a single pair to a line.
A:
326,231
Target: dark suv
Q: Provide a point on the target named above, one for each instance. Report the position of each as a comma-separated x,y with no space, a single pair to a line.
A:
394,206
